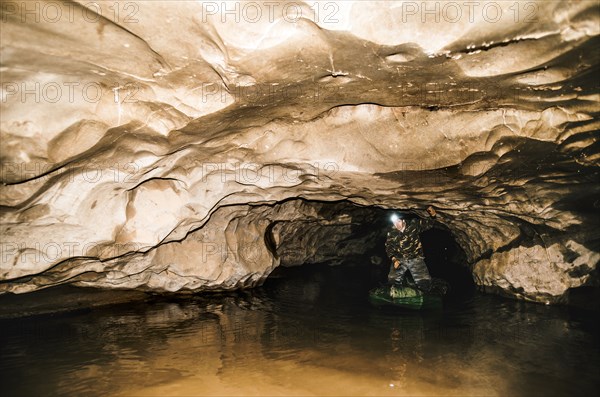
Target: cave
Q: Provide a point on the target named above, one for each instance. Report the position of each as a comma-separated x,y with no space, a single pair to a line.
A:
219,177
446,260
344,234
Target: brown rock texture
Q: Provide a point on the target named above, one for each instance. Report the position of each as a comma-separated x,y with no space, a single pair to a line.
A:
171,145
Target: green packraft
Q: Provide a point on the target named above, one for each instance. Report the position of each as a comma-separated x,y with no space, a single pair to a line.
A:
407,296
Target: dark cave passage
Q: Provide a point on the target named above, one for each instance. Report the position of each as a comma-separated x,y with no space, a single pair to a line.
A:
446,259
345,234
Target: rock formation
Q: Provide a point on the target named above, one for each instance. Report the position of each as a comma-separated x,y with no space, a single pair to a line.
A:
179,145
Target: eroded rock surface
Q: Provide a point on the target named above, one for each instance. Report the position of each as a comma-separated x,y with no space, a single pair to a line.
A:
166,147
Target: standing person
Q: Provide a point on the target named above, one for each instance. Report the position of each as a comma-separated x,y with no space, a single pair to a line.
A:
403,247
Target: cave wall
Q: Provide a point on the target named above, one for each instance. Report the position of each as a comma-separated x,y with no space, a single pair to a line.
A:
131,150
238,247
332,233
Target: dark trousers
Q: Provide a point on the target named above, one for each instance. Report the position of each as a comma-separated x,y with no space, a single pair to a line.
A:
418,271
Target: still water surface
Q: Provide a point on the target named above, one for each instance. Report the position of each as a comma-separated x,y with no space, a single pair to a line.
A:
311,333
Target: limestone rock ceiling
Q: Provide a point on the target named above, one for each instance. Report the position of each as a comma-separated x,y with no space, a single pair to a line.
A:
153,144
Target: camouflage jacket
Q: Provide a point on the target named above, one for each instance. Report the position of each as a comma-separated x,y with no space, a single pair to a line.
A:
407,244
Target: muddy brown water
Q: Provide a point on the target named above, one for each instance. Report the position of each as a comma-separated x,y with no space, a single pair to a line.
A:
312,332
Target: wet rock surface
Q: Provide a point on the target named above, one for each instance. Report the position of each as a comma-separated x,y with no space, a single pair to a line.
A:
186,151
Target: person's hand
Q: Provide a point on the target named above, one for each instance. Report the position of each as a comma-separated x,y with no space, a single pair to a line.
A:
396,264
431,211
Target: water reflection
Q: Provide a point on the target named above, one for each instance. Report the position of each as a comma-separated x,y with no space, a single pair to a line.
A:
311,334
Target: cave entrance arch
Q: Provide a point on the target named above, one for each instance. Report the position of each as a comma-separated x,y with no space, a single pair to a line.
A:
343,233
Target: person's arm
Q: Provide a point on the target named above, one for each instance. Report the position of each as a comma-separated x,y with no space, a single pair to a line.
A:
426,224
390,250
